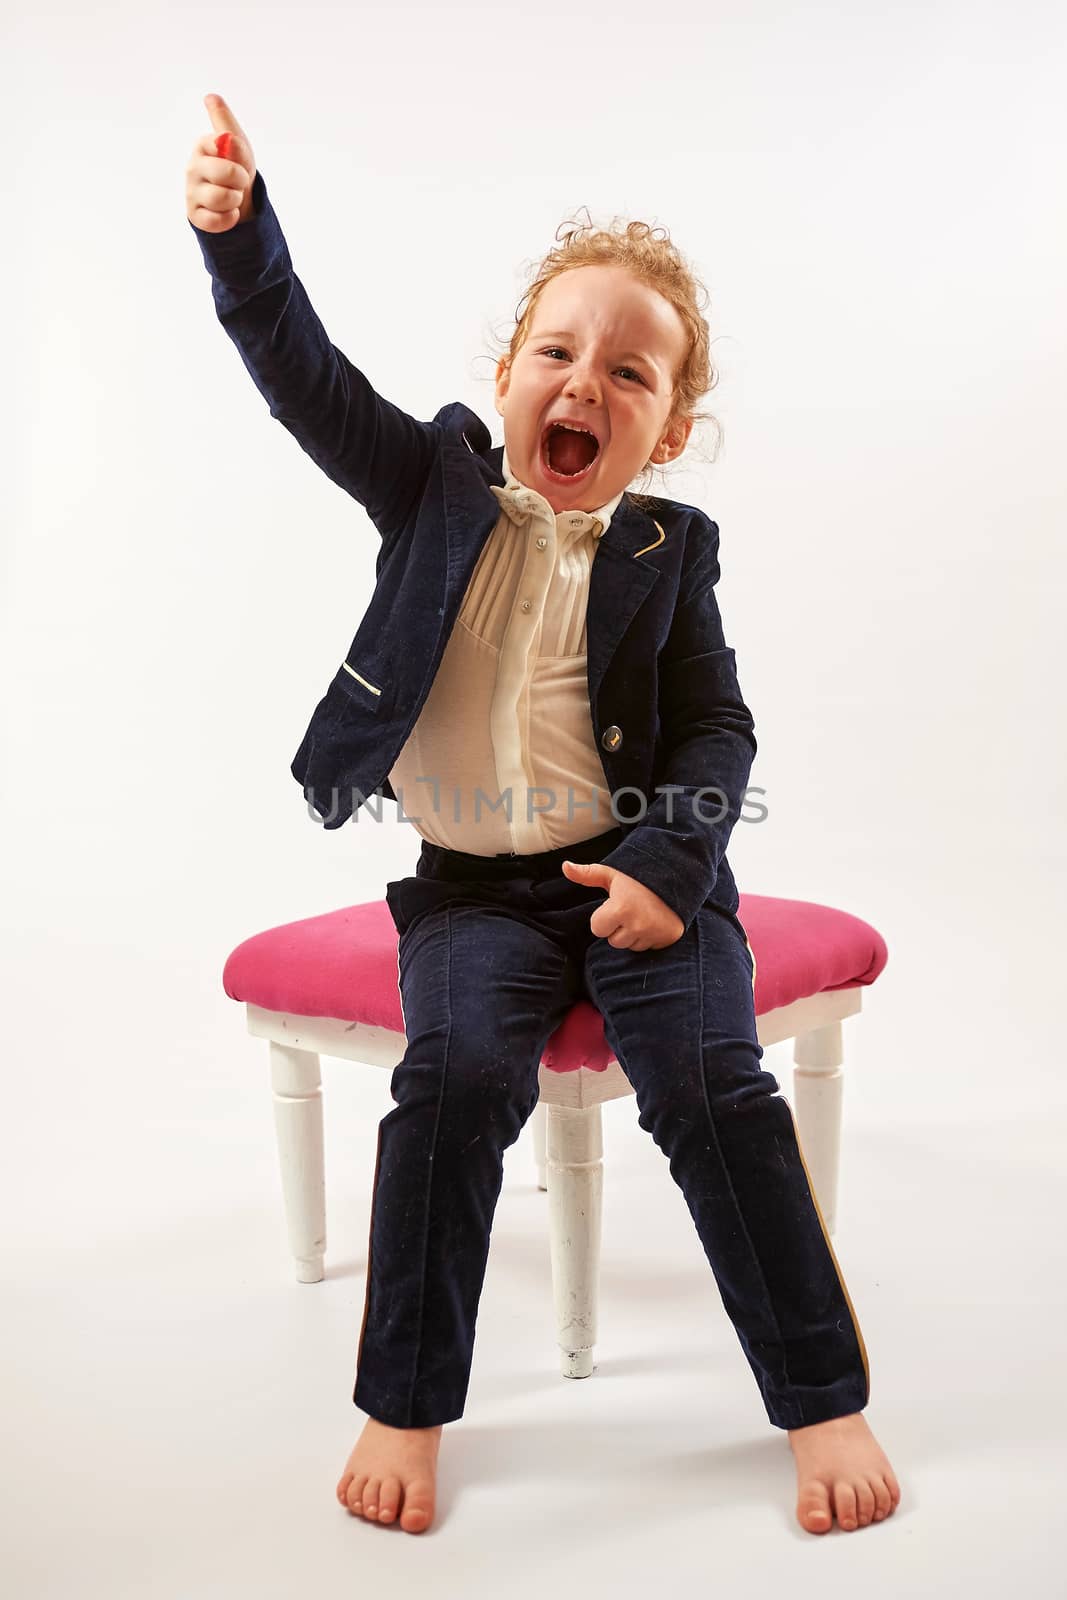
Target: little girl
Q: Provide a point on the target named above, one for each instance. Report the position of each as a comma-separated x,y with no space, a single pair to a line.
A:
534,629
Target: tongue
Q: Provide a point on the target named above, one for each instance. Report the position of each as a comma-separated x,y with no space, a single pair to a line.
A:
568,451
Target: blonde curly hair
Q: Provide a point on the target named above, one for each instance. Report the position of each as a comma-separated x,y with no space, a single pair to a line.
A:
654,261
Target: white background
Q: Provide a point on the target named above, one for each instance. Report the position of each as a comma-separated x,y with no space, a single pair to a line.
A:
873,196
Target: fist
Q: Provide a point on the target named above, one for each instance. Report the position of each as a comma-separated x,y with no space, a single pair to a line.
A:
220,174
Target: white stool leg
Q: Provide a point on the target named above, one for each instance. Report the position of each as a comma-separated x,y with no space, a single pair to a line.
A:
538,1120
575,1171
297,1085
817,1086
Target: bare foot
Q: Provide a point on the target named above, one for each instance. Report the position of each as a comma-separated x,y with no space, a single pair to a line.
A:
842,1468
390,1468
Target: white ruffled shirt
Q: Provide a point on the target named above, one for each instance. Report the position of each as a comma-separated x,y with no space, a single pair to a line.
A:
508,712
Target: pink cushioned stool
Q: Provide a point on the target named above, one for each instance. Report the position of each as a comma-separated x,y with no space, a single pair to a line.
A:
329,985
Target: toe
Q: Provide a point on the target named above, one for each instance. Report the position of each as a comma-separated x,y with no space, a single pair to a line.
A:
354,1497
370,1498
845,1504
389,1503
418,1506
813,1508
883,1500
864,1502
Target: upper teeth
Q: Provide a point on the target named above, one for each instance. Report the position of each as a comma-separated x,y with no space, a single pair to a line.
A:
575,427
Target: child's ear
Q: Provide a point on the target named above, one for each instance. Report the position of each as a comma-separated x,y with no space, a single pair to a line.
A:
503,379
674,439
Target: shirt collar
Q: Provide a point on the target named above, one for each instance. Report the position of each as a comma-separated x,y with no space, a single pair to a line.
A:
520,502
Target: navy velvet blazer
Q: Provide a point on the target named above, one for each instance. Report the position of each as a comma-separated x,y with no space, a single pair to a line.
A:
675,737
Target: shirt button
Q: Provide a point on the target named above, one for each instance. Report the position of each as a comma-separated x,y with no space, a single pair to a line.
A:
526,605
541,543
611,738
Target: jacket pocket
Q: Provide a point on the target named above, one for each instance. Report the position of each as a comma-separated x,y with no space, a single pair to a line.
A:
339,732
358,686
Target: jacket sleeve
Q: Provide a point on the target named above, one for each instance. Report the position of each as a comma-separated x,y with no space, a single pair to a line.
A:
368,446
709,745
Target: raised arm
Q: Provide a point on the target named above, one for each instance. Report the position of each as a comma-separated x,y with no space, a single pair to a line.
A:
369,447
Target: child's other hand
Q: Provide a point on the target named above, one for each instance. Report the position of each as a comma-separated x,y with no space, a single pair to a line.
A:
220,174
632,917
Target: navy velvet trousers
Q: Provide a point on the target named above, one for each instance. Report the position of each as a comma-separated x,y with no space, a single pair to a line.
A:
492,953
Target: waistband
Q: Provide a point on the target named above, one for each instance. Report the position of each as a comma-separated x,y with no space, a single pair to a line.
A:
437,862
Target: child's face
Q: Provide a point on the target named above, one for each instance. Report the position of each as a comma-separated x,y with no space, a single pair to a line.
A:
583,360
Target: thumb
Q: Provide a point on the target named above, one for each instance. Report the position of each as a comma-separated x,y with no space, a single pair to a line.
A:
590,872
222,118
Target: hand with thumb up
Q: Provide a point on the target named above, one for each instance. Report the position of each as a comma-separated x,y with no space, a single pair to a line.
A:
633,917
221,172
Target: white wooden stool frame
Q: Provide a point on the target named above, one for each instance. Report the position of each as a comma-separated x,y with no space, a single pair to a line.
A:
567,1139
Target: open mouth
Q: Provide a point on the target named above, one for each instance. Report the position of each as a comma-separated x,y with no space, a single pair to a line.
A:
568,454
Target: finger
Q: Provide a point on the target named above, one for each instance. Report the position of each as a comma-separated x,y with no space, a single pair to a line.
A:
225,147
225,178
216,196
207,163
227,174
214,221
222,118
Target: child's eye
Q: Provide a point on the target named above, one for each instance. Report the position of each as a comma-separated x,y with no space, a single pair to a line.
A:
555,347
